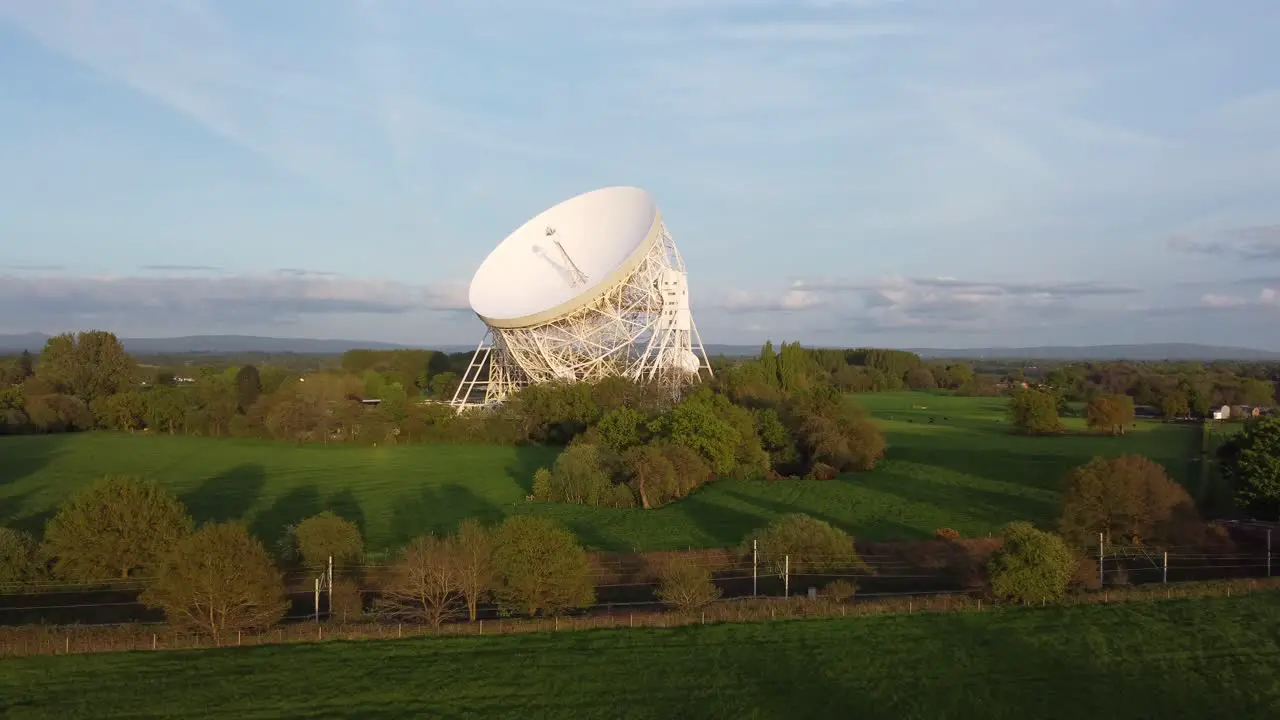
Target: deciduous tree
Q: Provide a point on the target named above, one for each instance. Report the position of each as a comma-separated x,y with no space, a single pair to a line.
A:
88,365
1110,414
804,544
540,567
18,557
685,585
475,563
1251,462
1030,565
425,584
218,580
1129,499
1034,412
327,535
117,526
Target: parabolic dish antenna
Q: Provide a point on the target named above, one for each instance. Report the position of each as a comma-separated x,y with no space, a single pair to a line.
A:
591,288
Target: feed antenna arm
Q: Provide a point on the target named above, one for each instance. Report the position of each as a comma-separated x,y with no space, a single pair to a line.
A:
579,277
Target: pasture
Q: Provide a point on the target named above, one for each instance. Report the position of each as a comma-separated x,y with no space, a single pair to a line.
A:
964,470
1198,659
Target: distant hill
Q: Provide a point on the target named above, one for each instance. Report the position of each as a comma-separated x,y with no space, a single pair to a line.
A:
215,344
1152,351
224,344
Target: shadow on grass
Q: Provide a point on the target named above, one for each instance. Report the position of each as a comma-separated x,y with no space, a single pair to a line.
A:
228,495
871,529
438,510
288,509
990,507
528,458
24,455
346,505
728,526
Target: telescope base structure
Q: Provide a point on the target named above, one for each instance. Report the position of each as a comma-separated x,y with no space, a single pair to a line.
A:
640,329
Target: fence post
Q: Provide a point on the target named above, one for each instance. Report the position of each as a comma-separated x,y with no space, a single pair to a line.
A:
786,576
330,581
1101,580
1268,553
481,627
755,554
1165,576
317,599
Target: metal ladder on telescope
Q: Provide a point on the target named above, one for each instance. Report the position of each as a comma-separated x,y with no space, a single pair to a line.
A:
471,377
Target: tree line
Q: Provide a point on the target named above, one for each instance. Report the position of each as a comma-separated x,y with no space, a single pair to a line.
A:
217,578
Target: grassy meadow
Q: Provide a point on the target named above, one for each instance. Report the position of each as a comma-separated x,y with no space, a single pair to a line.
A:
1199,659
964,470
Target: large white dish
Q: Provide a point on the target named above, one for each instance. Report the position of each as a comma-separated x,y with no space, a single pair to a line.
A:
527,281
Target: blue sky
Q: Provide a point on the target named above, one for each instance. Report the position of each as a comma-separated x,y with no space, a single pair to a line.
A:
938,173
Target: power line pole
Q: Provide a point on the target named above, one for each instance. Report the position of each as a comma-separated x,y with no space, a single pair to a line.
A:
330,580
786,576
1101,580
1165,576
317,599
755,556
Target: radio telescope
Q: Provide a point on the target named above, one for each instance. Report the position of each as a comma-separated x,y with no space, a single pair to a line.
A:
591,288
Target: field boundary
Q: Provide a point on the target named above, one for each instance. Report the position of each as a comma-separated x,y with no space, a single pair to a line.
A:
22,641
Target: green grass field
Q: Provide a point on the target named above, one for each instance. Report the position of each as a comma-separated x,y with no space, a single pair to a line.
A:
963,471
1197,659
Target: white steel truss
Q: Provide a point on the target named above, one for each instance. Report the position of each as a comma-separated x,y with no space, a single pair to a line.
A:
641,328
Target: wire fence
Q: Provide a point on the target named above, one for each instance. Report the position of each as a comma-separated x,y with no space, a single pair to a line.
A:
79,639
631,581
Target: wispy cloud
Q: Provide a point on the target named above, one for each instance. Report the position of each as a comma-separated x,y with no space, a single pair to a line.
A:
811,32
741,301
970,287
182,268
65,299
1252,243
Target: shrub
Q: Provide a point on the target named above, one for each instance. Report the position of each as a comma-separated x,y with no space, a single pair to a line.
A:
347,603
946,534
216,580
686,586
542,485
811,545
116,526
840,590
540,567
18,553
1031,565
836,432
326,535
823,471
579,476
619,496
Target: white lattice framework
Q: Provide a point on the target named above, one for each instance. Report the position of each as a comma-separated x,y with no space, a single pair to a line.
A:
640,328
